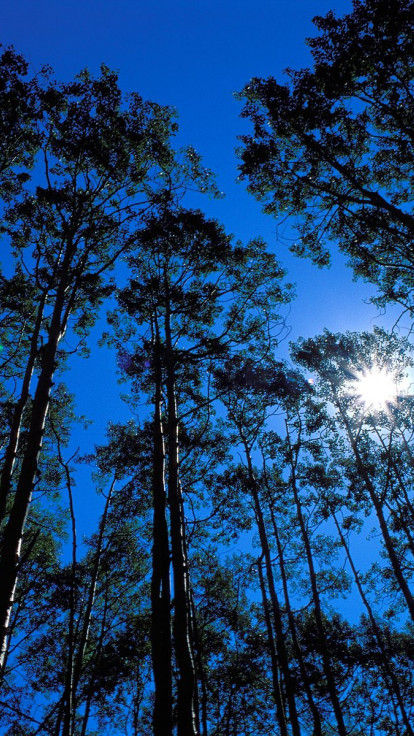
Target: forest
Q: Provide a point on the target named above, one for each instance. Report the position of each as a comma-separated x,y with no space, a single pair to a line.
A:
251,570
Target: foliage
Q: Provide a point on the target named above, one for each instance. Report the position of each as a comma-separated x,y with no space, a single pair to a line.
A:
332,147
251,569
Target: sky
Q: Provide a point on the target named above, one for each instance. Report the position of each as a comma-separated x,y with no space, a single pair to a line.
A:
193,55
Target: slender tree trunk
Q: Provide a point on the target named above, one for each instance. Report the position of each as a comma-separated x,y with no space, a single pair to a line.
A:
137,702
187,715
13,532
393,557
390,679
91,684
12,447
276,611
87,712
60,717
87,618
317,725
161,645
230,729
70,711
402,506
277,692
200,670
326,660
68,706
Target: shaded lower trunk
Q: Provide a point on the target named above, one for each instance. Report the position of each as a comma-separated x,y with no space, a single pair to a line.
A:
277,692
161,645
317,725
187,712
90,687
13,532
75,672
326,658
68,697
276,610
200,671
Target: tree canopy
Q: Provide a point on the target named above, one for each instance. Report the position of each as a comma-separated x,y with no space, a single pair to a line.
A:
250,571
333,147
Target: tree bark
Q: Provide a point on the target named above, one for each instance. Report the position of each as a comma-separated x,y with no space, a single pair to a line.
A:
79,654
389,546
68,696
187,715
200,670
276,610
13,532
326,660
390,679
403,505
277,692
11,450
91,684
317,725
161,645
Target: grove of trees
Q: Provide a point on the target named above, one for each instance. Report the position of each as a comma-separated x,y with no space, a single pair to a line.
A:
252,569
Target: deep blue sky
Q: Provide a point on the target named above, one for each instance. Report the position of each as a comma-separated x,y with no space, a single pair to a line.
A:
193,55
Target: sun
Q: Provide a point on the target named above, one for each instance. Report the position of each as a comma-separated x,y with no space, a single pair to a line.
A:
376,387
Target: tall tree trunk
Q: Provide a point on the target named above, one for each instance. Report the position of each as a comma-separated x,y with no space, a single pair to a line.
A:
317,725
70,710
187,715
200,670
161,645
79,654
403,505
326,659
13,532
277,692
12,447
393,557
90,690
276,611
390,678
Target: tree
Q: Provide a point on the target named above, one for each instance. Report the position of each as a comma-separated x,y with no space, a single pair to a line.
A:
249,407
21,112
84,625
152,625
374,474
189,302
333,148
283,494
101,160
231,645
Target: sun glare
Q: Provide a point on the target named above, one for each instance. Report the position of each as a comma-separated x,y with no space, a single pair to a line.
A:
376,388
